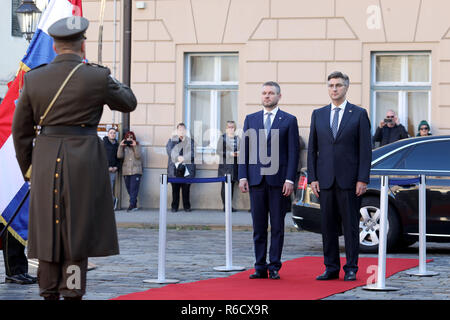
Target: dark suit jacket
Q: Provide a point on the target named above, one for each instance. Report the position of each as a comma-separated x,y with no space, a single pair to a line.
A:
345,159
250,157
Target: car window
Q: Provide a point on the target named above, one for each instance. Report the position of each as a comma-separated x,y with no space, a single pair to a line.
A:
428,156
390,161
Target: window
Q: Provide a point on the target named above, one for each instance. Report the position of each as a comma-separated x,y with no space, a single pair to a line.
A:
15,28
390,161
211,95
431,156
401,82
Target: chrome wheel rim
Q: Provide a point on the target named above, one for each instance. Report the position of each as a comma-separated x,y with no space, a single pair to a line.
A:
369,226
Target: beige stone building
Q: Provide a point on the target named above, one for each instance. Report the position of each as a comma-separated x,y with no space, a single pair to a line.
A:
205,60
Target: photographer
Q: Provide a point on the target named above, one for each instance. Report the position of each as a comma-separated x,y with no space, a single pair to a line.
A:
181,152
389,130
130,151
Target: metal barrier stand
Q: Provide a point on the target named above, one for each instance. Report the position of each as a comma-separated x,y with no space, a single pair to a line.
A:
162,234
422,271
228,230
163,227
380,285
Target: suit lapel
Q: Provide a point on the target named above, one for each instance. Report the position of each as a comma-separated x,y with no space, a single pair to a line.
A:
260,120
279,117
326,119
347,115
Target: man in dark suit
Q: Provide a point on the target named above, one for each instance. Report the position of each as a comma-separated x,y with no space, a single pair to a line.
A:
268,163
339,157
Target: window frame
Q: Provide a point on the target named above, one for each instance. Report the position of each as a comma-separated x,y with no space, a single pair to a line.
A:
215,86
402,87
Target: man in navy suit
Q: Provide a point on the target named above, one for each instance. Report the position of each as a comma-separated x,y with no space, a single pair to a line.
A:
268,162
339,157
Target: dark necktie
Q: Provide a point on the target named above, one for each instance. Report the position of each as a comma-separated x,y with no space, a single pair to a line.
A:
267,124
334,124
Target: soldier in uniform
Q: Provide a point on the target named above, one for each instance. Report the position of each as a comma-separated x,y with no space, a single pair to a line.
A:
71,208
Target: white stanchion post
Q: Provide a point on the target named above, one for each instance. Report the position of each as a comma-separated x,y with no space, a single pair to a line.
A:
162,234
422,271
380,285
228,230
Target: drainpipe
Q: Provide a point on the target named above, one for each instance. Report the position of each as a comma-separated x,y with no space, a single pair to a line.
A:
126,66
114,65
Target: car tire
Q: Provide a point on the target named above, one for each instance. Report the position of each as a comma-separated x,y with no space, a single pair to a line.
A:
370,224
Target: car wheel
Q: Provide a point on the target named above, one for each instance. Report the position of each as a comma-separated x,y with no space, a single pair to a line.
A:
369,226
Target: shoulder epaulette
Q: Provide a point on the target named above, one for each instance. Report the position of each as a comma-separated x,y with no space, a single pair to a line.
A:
39,66
96,65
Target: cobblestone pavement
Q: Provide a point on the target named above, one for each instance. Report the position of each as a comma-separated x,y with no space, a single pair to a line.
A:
192,253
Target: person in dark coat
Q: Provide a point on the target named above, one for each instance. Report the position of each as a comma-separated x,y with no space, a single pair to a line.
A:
389,130
228,151
181,152
71,213
111,146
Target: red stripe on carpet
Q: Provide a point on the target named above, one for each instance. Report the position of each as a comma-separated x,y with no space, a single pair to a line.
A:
297,283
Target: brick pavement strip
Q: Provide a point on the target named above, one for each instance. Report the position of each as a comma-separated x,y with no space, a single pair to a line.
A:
124,273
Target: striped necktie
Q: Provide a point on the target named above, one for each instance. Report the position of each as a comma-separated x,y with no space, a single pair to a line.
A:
268,124
334,124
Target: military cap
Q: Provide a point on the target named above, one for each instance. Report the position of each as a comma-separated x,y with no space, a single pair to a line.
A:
69,29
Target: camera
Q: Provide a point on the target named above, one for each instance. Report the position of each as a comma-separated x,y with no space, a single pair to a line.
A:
128,142
388,120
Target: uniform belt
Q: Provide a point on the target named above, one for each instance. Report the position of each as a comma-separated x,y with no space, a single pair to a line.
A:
69,130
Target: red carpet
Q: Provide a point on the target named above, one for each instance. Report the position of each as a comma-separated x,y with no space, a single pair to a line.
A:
297,283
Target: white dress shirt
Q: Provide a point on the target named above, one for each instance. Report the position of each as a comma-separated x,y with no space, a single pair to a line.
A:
272,117
341,113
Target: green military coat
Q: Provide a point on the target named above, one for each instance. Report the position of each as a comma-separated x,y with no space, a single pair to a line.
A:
71,206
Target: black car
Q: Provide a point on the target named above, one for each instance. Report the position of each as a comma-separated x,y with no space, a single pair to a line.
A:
430,153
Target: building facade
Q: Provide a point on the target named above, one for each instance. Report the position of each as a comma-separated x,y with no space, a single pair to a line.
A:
11,38
203,61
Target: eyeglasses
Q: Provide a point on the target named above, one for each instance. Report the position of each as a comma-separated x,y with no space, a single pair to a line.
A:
424,128
390,117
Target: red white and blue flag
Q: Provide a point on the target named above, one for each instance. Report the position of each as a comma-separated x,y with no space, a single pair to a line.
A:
12,185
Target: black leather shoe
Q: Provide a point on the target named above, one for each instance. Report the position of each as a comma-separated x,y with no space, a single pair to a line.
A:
174,210
327,275
274,275
34,279
19,279
188,210
350,276
259,275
